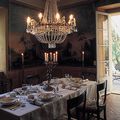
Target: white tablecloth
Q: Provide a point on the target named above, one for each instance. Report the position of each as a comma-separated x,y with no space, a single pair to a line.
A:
50,110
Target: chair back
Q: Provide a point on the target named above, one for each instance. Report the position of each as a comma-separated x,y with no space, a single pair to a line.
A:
75,102
101,93
5,83
32,79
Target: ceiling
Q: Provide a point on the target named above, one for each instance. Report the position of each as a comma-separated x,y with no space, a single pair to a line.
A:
40,3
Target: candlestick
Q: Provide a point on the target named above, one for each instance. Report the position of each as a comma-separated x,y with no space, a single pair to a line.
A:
83,55
51,59
22,55
83,58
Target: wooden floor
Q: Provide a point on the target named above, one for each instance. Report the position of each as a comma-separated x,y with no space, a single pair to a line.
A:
113,107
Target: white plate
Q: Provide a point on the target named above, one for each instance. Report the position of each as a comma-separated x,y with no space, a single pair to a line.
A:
7,101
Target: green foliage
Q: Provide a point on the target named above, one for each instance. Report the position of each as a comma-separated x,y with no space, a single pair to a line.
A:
115,47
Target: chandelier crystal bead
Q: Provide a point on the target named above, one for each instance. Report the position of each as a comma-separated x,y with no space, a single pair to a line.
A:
51,28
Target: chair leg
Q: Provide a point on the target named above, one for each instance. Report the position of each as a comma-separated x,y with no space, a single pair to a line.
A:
69,116
78,114
88,116
98,116
84,115
105,114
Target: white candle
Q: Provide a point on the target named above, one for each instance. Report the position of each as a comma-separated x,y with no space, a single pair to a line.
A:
74,22
57,17
28,21
22,55
83,55
46,57
50,56
56,56
40,16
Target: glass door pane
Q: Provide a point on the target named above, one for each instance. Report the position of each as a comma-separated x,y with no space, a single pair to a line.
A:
103,47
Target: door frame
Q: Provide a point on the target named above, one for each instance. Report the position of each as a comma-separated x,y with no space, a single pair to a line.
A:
107,76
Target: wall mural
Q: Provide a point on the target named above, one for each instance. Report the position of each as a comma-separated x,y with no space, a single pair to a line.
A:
69,52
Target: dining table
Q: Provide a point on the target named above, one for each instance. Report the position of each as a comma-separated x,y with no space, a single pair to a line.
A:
32,106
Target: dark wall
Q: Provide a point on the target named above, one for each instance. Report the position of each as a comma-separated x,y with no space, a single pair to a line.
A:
18,15
85,17
4,3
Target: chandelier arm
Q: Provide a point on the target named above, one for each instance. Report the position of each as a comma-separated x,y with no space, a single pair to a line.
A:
49,37
52,35
60,37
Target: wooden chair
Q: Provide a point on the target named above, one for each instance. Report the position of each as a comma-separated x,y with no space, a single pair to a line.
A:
95,108
5,83
32,79
88,75
72,104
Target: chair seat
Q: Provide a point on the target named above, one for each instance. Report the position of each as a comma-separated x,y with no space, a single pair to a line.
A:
91,105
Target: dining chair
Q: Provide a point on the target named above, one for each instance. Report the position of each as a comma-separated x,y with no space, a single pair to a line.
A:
32,79
72,106
5,83
73,112
94,108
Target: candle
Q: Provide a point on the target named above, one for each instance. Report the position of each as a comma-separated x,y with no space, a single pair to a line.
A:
50,56
22,55
40,16
45,57
28,21
56,56
57,17
74,22
83,55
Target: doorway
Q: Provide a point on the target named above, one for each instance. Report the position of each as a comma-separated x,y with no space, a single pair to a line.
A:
107,35
115,30
3,37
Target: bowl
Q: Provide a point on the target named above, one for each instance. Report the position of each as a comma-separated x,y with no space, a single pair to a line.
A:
46,96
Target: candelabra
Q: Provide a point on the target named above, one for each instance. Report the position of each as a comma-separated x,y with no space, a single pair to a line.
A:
50,62
22,56
83,53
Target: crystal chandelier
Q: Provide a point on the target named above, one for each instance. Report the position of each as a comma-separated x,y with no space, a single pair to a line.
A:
51,28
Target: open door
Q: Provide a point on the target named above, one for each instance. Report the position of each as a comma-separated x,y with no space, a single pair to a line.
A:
104,48
3,37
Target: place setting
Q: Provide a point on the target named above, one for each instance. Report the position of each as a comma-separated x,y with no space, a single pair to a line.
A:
11,103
